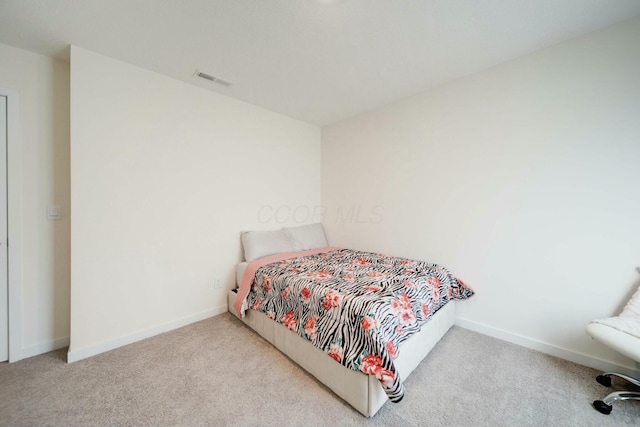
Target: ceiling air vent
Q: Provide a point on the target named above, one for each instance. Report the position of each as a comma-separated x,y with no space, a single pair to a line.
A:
212,78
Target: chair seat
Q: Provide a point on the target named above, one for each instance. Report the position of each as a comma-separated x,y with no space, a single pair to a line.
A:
618,340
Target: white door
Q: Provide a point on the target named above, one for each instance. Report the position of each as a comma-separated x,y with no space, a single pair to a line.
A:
4,293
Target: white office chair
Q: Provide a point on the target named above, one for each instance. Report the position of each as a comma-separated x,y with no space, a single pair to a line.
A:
621,333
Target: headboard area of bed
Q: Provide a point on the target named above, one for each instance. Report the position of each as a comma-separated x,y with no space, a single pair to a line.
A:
258,244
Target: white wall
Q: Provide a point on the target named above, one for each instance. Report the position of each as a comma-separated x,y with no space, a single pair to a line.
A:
42,84
522,179
164,176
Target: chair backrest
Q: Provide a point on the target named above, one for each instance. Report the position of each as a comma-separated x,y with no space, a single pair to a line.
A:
622,332
632,309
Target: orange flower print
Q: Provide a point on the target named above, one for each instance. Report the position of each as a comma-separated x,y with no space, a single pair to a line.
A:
385,377
425,310
373,288
361,261
434,284
401,303
286,292
323,275
407,317
371,364
368,323
256,304
290,321
404,312
391,349
310,327
319,275
266,284
336,351
406,302
332,299
305,295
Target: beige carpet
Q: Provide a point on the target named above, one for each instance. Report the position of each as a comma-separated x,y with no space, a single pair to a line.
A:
219,372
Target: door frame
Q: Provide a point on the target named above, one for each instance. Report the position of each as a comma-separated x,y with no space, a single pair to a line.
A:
14,223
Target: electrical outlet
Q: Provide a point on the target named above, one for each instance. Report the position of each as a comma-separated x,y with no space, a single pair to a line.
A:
217,283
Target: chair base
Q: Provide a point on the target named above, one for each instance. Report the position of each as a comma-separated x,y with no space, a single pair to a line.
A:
605,406
602,407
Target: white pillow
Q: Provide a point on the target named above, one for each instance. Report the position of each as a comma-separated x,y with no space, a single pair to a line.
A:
258,244
306,237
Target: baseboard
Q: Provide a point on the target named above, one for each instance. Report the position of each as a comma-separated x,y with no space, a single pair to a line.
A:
74,355
552,350
44,347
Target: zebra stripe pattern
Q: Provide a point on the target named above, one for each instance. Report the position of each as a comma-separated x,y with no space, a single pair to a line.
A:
358,307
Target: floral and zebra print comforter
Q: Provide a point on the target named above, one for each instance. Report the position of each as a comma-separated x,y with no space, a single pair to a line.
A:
356,306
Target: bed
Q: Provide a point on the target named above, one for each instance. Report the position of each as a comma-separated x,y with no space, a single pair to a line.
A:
359,322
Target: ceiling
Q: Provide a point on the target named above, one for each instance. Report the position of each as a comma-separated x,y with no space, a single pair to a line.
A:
320,61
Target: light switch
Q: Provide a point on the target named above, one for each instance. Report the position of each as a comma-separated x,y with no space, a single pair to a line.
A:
53,212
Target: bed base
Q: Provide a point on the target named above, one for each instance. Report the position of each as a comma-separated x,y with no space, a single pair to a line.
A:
361,391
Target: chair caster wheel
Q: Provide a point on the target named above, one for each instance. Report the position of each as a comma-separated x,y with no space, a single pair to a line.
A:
602,407
604,380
